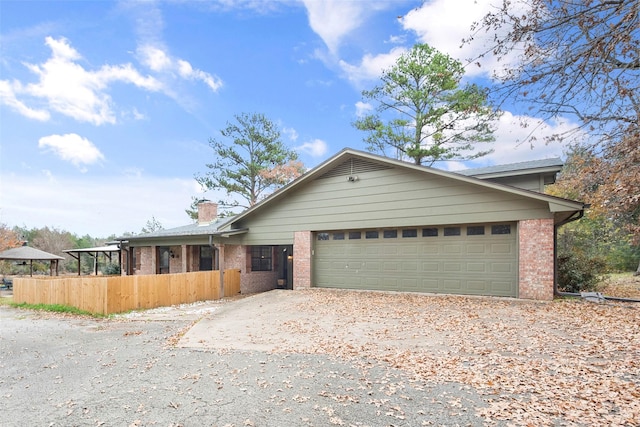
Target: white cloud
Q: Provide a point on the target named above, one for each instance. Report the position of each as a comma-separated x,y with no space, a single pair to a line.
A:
66,87
513,143
8,97
153,53
72,147
291,133
154,58
332,20
443,24
363,108
159,61
371,66
93,205
314,148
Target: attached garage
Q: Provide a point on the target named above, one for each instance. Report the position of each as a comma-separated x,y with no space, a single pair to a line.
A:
361,221
474,259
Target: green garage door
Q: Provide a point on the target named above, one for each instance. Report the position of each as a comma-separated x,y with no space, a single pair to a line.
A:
469,259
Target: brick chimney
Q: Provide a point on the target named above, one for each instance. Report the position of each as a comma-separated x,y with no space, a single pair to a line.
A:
207,212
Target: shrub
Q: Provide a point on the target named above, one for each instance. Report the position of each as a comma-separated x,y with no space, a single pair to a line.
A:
579,273
111,269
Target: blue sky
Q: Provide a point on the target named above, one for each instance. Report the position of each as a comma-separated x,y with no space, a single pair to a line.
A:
106,108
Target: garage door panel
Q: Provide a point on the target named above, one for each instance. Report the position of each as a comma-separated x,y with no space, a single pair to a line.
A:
452,267
430,249
501,267
430,267
388,266
430,285
460,264
409,250
478,285
476,249
353,250
390,250
452,249
453,284
410,267
501,248
410,284
372,266
476,267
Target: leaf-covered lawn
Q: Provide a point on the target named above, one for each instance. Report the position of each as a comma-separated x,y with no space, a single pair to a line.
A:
537,363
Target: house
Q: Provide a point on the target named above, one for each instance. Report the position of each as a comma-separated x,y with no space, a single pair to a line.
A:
362,221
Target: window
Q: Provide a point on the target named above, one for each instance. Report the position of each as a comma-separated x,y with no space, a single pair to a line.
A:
323,236
137,258
475,230
355,235
501,229
371,235
452,231
261,258
390,234
338,236
430,232
206,258
164,253
410,233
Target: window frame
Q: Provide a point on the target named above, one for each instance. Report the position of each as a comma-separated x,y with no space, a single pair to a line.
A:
261,258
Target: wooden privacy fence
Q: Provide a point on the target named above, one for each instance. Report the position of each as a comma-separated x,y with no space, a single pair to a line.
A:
116,294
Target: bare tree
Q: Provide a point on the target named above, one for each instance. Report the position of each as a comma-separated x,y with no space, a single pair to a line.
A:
578,58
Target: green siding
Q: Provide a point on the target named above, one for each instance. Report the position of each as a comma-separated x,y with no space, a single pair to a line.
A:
394,197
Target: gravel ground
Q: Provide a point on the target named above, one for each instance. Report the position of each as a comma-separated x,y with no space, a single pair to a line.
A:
127,371
322,358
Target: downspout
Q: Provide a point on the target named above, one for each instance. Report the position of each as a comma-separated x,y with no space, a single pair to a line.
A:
220,264
555,263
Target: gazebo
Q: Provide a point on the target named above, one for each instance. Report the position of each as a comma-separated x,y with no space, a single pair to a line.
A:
107,251
26,253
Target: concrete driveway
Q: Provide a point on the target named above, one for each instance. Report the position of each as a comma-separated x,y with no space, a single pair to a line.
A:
321,358
534,362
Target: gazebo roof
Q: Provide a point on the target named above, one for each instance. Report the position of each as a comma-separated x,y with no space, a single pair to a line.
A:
26,253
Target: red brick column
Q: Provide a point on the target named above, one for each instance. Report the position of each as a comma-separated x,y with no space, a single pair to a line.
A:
536,259
301,260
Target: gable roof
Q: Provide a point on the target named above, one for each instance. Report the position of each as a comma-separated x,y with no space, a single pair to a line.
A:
27,253
190,230
521,168
556,204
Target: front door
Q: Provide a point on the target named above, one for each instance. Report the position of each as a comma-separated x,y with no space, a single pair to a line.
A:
285,266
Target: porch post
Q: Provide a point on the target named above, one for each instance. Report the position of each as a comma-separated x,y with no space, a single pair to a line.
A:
154,259
221,268
185,260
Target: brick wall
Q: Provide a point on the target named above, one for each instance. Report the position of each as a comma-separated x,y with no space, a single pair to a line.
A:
236,257
146,262
536,256
301,260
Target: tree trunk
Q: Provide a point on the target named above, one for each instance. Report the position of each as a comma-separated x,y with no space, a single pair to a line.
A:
637,273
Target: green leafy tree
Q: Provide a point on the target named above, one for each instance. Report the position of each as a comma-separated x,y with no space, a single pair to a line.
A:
250,146
424,114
